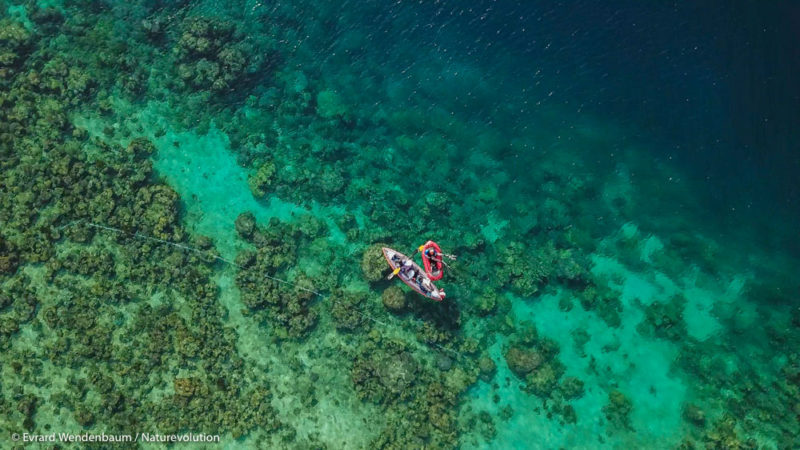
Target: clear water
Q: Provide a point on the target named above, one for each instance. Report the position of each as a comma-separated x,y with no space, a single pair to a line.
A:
618,177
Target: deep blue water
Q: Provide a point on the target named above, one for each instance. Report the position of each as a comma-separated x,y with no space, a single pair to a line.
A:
710,86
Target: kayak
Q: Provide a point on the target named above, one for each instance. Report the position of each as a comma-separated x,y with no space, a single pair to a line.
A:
418,281
432,267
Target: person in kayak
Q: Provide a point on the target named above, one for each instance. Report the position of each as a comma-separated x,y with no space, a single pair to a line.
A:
435,262
432,254
426,284
407,269
412,275
422,281
433,259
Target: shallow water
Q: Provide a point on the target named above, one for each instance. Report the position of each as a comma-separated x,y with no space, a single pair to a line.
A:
193,196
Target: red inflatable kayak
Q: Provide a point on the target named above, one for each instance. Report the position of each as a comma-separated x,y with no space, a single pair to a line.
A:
432,267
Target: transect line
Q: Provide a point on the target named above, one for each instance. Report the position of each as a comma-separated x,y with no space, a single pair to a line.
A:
227,261
196,250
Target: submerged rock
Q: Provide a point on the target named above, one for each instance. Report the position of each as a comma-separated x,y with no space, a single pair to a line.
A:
618,409
443,362
262,180
373,263
542,381
8,257
184,387
522,362
396,373
245,224
694,415
394,299
487,368
572,387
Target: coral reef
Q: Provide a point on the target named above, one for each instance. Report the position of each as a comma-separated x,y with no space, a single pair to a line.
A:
528,270
111,311
212,55
88,304
345,307
694,415
617,410
665,320
8,257
287,308
724,435
534,360
387,379
487,368
261,181
603,301
245,225
15,43
330,105
486,304
572,387
386,372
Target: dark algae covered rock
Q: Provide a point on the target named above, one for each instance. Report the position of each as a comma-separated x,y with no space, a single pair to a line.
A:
618,409
394,299
523,362
373,263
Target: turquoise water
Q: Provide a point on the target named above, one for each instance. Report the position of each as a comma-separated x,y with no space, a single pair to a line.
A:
195,196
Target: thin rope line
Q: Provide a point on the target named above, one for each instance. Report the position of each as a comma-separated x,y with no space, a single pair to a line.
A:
232,263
